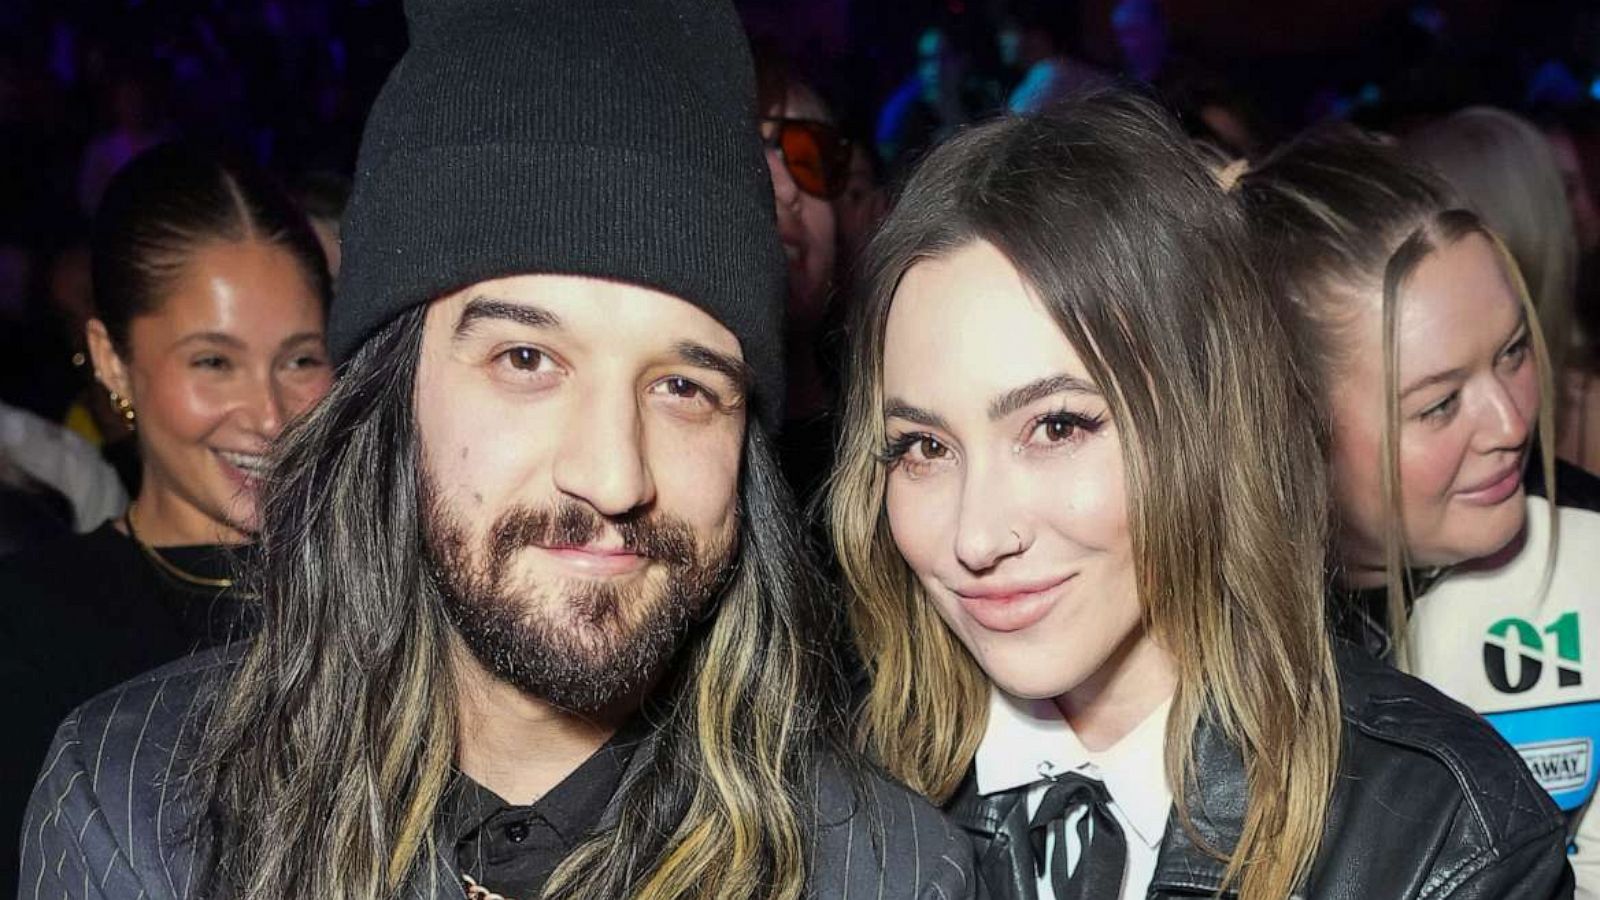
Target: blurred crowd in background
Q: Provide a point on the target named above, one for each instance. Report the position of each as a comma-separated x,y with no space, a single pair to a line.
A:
85,85
1501,98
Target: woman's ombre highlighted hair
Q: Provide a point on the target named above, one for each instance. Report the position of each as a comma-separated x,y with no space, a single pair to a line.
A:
1112,217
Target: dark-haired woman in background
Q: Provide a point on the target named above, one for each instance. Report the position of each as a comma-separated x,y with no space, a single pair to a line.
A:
210,293
1463,552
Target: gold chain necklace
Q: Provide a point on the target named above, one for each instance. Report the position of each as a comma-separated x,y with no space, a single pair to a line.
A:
162,563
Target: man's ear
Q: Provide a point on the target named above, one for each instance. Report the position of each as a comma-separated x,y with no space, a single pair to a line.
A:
109,369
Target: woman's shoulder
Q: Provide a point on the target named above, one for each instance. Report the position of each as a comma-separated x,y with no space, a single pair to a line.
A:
1428,794
1406,741
79,607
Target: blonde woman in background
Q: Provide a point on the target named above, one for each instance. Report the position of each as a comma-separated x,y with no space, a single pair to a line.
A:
1460,553
1080,509
1505,170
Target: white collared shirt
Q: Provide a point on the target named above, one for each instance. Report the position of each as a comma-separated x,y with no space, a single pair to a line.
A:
1027,741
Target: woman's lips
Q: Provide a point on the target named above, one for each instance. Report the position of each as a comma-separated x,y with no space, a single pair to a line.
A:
243,469
1496,489
1007,608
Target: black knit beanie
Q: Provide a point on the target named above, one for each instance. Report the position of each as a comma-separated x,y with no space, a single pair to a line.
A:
608,138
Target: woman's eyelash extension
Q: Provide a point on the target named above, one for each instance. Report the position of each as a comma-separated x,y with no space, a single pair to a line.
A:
895,449
1086,424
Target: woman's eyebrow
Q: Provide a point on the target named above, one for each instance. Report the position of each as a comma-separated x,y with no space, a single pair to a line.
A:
210,337
1517,330
1017,398
895,408
301,338
1445,377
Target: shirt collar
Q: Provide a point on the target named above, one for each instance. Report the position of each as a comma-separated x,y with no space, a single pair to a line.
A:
1027,741
571,808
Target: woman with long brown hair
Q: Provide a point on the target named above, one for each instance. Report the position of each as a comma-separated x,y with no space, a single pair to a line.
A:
1081,510
1459,551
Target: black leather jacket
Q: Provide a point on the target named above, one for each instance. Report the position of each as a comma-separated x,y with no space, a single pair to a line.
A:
1430,803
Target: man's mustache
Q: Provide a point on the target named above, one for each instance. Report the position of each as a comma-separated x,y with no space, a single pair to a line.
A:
659,537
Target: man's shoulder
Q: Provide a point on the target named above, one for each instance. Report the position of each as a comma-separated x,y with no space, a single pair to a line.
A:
151,705
878,838
1406,734
110,798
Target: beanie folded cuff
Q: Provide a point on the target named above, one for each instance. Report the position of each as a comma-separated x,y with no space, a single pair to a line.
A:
473,213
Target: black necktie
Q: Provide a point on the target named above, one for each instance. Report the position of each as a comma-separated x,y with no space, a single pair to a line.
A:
1102,851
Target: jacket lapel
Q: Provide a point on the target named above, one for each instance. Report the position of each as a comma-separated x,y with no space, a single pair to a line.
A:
1186,866
1005,862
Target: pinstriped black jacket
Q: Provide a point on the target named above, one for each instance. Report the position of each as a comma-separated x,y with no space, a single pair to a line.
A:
110,818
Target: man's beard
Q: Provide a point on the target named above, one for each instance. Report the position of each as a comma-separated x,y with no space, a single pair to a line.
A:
579,645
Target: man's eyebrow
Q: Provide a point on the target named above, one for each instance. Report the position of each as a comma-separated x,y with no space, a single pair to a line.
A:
1013,400
731,367
895,408
479,308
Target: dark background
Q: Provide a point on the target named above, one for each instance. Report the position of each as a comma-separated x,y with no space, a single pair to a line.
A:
288,82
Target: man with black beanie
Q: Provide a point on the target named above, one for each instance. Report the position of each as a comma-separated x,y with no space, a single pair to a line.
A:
535,620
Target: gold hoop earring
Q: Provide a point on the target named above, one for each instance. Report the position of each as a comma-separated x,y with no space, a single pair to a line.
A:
124,407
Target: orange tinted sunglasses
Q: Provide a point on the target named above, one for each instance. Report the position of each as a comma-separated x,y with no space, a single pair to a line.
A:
815,153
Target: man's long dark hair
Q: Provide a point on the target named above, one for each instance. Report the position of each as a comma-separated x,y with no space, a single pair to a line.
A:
327,751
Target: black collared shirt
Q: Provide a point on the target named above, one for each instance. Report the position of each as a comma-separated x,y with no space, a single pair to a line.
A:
513,850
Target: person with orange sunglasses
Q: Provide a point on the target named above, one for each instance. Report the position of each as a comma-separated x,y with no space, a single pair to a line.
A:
809,160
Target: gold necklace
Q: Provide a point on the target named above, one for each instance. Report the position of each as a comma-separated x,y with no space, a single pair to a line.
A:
162,563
